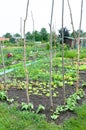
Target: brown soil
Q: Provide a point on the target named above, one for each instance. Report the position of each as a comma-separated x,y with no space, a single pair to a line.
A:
20,96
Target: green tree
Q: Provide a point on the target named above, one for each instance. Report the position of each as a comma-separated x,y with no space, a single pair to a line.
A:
29,36
84,34
65,34
77,32
17,35
8,35
44,34
37,36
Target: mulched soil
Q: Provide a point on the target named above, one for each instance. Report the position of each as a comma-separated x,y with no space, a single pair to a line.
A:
20,96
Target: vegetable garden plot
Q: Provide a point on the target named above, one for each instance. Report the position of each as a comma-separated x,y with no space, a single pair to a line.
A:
38,71
39,76
44,100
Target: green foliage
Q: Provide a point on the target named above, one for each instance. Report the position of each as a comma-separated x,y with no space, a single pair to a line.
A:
10,100
28,107
8,35
16,35
13,119
3,95
82,67
57,112
70,54
84,84
29,36
78,123
44,34
47,46
71,103
40,108
37,35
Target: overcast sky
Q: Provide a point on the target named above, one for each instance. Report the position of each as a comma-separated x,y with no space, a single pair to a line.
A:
12,10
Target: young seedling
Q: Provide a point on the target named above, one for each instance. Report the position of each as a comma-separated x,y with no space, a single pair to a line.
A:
28,107
3,95
40,108
10,100
83,84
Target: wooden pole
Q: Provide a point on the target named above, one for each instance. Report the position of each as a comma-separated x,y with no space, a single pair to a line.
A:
2,55
63,50
21,27
33,30
50,84
75,36
26,71
78,43
77,39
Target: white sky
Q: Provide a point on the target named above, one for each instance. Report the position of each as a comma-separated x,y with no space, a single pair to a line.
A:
12,10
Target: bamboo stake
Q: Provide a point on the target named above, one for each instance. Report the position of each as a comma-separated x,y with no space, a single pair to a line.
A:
63,50
33,30
78,43
75,36
50,83
77,39
21,28
26,71
3,65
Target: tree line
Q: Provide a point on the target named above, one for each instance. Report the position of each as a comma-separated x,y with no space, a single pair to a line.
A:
43,35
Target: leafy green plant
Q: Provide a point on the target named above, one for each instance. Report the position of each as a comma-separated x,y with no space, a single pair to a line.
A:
28,107
70,54
3,95
71,103
40,108
80,93
84,84
82,67
10,100
57,112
